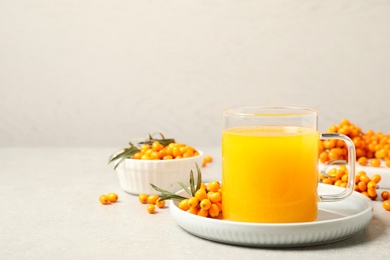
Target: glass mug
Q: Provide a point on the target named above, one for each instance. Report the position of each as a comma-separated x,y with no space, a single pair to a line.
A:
270,165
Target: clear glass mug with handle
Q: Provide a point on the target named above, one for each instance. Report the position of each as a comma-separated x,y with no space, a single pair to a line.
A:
270,165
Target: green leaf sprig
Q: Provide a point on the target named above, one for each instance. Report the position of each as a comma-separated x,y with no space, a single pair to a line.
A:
126,153
166,195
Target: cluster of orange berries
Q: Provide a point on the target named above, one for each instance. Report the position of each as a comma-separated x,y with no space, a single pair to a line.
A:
207,201
152,200
363,183
371,147
108,199
157,151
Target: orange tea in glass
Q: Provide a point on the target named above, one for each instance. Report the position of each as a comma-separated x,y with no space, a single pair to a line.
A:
269,165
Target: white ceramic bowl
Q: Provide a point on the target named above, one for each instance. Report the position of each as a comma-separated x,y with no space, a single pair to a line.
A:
135,176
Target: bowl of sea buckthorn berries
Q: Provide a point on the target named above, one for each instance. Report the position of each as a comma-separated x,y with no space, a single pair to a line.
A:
157,160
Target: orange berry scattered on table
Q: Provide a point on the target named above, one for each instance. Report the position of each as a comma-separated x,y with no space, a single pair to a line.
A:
385,195
386,205
151,208
104,200
109,198
160,203
112,197
375,162
143,198
153,198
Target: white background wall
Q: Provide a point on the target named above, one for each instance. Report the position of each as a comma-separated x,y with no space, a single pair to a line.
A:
98,72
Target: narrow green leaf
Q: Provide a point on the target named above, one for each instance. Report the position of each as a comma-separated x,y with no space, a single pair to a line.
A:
192,184
115,156
162,191
185,188
199,182
124,154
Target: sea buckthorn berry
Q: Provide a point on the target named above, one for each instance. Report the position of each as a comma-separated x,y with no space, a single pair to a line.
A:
380,154
375,162
385,195
144,148
320,147
167,157
360,153
205,204
151,208
327,181
154,155
324,157
344,178
137,155
153,198
193,202
183,205
357,176
321,176
168,150
376,178
372,193
206,159
176,151
162,153
104,200
219,206
363,161
160,203
112,197
329,144
201,194
215,197
188,154
203,213
364,178
194,210
143,198
213,186
386,205
362,186
156,146
371,185
145,157
387,162
214,210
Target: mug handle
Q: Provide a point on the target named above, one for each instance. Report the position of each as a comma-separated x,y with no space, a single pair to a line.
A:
351,168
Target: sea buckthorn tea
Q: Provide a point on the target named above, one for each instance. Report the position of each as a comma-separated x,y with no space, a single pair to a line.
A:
269,162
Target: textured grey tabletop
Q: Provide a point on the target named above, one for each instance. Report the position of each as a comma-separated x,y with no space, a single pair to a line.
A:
50,210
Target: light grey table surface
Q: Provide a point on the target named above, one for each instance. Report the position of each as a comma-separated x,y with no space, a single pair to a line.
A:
50,210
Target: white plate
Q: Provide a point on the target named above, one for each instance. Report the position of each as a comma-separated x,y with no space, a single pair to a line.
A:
336,221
